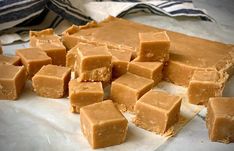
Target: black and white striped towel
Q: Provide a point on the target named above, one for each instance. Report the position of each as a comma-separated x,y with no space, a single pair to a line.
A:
24,15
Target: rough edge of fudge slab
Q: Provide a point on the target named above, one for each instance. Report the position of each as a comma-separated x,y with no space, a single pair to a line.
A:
48,31
66,36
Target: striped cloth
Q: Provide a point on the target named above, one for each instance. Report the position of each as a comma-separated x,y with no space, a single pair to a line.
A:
19,16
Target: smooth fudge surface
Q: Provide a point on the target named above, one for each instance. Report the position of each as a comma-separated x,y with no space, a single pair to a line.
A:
33,59
151,70
157,111
93,63
120,60
220,119
10,60
84,93
103,124
52,81
47,41
205,84
12,81
128,88
154,46
187,53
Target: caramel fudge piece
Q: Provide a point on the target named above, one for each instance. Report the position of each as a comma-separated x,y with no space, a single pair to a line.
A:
128,88
84,93
103,124
157,111
93,63
51,81
205,84
151,70
12,81
120,60
11,60
154,46
47,41
187,53
33,59
219,120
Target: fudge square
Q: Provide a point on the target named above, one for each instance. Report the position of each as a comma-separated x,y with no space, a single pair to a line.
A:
10,60
12,81
128,88
51,81
120,60
151,70
205,84
47,41
93,63
84,93
103,124
220,119
154,46
157,111
33,59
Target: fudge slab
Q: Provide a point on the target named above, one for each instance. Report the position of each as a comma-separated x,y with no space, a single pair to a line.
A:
10,60
154,46
12,81
128,88
157,111
93,63
187,53
84,93
47,41
103,124
52,81
120,60
151,70
33,59
220,119
205,84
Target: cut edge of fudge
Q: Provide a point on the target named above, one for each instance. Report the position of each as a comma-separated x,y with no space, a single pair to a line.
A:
11,60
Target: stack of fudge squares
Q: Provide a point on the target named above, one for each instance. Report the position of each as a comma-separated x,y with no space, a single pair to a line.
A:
83,69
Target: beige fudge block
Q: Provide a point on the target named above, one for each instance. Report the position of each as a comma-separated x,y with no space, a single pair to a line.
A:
120,60
128,88
157,111
47,41
103,124
205,84
151,70
219,120
12,81
93,63
52,81
10,60
33,59
84,93
154,46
